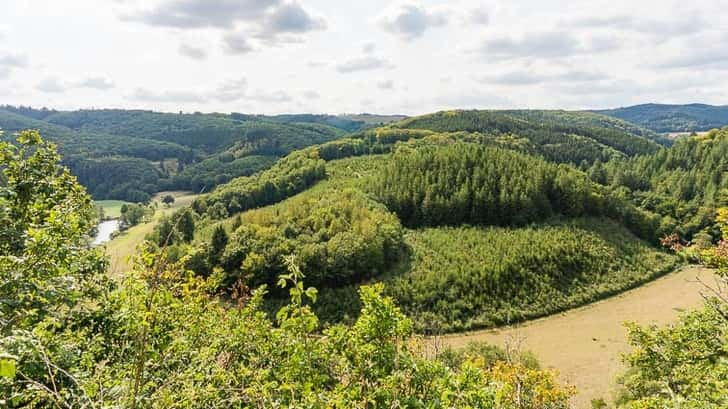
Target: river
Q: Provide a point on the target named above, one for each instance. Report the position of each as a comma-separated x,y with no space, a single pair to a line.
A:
105,230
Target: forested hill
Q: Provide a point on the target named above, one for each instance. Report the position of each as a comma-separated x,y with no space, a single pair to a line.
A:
131,154
665,118
561,136
208,132
471,218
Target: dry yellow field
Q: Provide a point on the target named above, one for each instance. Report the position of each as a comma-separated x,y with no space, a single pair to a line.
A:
123,246
585,345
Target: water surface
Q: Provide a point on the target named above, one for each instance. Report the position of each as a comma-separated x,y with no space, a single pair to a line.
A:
105,230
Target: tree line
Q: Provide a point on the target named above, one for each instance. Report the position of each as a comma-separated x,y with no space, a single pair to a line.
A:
686,183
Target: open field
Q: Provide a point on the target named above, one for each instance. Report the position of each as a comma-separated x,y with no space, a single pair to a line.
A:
112,208
122,247
675,135
585,344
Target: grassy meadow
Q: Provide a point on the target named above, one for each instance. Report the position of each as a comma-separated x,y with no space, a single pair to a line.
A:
123,246
111,208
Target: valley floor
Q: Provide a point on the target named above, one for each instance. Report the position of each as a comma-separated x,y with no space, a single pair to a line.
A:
585,345
122,247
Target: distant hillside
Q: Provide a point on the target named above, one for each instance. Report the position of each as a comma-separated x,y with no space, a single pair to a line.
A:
131,154
673,118
209,132
373,119
560,136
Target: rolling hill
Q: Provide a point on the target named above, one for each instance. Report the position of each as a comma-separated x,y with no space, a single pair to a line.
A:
665,118
471,218
131,154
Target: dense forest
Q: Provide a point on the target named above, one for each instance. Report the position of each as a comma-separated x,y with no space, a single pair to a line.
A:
322,212
463,183
686,183
574,136
200,151
673,118
130,155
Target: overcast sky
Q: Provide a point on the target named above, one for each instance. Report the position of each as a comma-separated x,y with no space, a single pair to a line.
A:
336,56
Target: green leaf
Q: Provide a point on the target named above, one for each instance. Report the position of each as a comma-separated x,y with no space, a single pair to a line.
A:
7,368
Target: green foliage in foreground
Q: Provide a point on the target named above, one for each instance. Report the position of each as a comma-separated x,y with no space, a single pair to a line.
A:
468,278
684,365
45,264
163,339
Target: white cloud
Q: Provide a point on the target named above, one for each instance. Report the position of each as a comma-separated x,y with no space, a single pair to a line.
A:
177,54
98,83
386,84
12,61
269,21
290,18
521,78
681,25
366,63
231,90
195,53
478,16
146,95
411,20
368,48
543,44
269,96
311,94
696,58
238,44
187,14
51,85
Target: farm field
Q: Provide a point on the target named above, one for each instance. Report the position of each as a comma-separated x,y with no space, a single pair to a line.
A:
586,344
112,208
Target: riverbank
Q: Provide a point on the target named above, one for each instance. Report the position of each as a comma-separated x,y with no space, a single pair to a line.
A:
123,246
586,344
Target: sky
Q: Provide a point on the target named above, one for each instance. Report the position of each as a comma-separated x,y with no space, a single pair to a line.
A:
338,56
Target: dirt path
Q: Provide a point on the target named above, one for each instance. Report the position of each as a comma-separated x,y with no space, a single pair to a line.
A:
585,344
